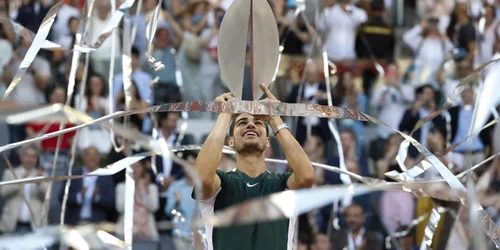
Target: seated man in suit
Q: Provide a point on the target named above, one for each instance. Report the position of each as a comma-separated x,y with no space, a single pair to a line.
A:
356,236
16,216
90,199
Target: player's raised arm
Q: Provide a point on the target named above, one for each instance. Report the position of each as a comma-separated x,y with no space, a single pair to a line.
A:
303,172
211,152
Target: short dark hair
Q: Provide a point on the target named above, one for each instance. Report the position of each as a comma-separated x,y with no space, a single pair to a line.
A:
420,89
351,133
135,52
233,124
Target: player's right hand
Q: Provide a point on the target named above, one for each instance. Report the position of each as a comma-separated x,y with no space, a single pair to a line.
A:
225,97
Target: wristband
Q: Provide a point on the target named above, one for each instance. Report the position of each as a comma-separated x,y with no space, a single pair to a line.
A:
280,127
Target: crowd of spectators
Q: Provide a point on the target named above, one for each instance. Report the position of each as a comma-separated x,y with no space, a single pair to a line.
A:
446,40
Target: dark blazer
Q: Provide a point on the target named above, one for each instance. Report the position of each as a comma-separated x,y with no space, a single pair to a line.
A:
321,129
408,123
29,19
339,240
176,171
484,135
100,209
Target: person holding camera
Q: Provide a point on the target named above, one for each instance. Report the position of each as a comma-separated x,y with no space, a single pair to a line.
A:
431,50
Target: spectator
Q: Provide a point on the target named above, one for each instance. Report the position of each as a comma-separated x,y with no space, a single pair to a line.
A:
430,48
486,40
68,11
164,19
6,49
314,147
89,199
461,120
194,21
462,32
390,99
31,87
396,208
294,36
176,7
95,103
145,205
101,58
375,39
387,160
351,157
407,240
424,105
16,216
168,171
321,242
142,79
442,9
136,101
356,236
209,74
347,96
449,82
313,92
67,40
436,143
49,146
31,14
164,50
340,23
179,199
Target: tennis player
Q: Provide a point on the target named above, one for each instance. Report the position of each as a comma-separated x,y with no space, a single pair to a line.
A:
249,137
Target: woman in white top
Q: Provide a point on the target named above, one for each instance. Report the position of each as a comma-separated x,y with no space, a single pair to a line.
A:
486,40
145,205
94,102
431,49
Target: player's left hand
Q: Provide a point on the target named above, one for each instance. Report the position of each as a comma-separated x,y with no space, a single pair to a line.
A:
270,97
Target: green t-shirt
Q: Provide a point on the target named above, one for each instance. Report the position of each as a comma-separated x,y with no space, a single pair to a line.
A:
237,187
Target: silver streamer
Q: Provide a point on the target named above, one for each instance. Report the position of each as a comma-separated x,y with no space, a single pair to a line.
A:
43,32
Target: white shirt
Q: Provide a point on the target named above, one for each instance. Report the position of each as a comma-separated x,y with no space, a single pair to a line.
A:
60,26
24,215
26,92
167,160
486,43
86,202
341,28
392,107
6,50
309,91
353,244
97,27
430,54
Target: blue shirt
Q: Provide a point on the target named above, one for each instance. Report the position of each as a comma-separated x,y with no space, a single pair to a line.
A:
186,206
167,57
464,122
143,82
140,41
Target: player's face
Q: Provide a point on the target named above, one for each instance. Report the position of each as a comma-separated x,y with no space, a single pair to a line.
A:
249,134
